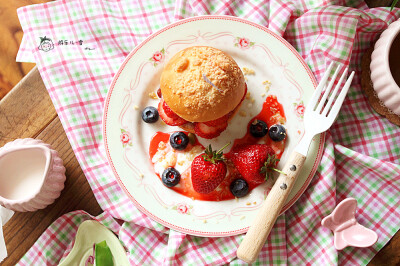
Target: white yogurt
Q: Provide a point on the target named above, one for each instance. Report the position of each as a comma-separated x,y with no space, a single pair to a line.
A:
166,157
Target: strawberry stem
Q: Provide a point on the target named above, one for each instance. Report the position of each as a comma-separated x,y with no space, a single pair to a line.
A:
393,4
213,156
226,145
269,166
277,170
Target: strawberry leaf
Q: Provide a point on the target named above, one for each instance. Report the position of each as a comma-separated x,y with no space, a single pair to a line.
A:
214,156
103,254
393,4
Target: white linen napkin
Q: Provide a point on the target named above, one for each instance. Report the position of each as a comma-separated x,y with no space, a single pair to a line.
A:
5,215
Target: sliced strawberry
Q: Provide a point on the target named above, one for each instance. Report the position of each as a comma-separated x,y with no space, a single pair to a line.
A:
168,111
159,94
207,132
171,121
219,121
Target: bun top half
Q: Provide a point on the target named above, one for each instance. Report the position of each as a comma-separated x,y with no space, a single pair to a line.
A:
202,83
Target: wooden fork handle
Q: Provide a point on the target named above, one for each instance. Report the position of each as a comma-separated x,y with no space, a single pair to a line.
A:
258,232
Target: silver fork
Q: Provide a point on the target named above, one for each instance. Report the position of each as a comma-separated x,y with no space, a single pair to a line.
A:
319,116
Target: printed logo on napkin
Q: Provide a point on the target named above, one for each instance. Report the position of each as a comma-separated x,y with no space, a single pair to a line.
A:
46,44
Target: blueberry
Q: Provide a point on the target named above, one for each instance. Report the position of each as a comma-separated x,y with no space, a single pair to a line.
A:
258,128
170,177
277,132
150,114
239,188
179,140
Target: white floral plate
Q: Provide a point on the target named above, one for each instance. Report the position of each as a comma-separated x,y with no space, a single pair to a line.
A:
127,137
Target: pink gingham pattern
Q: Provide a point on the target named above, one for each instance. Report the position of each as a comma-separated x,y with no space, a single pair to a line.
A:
361,158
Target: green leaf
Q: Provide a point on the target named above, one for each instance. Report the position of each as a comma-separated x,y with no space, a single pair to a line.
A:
123,130
103,255
214,156
393,4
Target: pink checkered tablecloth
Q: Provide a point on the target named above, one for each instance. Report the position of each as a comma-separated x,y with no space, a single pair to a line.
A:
361,158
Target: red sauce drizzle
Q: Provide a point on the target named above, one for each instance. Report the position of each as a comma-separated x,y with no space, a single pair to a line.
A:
272,113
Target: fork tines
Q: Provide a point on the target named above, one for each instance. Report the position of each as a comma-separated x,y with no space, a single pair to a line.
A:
322,101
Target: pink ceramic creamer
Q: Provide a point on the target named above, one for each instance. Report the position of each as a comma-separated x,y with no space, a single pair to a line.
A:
385,67
32,175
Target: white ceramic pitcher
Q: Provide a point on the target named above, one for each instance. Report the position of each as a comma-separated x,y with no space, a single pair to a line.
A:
32,175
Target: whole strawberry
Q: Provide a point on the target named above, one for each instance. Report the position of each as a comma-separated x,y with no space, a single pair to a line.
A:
254,162
208,170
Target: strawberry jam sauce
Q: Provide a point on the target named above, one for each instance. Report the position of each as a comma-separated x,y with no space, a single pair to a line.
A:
162,155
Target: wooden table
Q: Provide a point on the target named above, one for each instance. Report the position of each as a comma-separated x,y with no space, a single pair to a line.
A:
11,72
27,111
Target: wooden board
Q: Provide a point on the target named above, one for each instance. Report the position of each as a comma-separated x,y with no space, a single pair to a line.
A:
27,111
